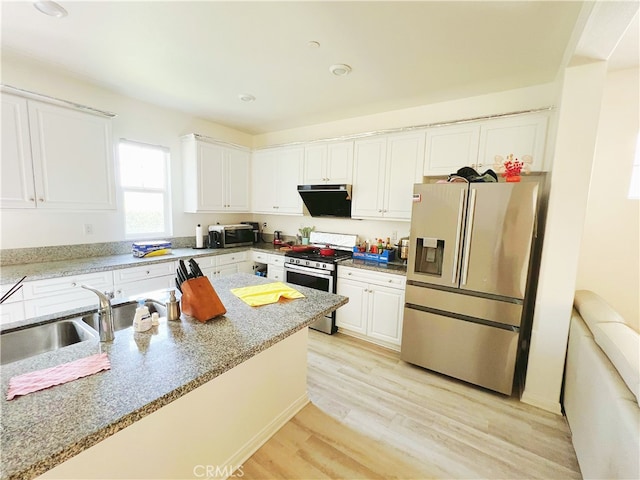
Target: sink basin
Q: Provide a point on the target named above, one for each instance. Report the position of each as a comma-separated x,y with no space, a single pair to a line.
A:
123,314
28,342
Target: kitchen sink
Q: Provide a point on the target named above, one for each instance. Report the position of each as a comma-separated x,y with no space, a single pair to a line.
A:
123,314
31,341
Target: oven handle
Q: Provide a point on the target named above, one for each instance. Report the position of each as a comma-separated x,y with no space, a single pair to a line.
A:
311,271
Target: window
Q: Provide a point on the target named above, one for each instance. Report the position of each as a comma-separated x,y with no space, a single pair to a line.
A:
145,189
634,188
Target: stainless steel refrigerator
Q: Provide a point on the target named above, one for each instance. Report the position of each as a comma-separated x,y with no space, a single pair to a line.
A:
467,277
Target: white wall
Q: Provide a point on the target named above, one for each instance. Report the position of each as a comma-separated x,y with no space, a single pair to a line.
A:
574,151
137,121
609,262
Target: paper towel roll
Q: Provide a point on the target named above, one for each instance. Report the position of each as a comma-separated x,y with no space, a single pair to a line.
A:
199,238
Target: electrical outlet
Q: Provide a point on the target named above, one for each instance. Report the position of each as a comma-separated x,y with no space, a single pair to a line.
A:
264,225
88,229
394,236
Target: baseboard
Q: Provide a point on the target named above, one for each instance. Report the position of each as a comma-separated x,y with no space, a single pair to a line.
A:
248,449
375,341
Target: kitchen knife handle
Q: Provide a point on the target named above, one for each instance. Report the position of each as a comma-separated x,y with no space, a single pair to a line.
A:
456,250
467,241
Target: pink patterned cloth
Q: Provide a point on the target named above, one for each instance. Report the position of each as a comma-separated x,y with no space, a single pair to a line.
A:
41,379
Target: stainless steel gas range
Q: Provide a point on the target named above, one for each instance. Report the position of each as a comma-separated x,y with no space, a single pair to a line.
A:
317,268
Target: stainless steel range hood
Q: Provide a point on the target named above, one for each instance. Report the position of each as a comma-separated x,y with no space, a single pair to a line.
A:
327,200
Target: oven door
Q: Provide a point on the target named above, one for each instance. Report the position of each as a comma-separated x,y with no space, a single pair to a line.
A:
318,280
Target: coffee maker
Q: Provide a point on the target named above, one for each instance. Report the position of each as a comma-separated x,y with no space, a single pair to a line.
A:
257,237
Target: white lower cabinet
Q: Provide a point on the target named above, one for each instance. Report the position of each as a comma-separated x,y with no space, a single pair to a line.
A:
129,282
219,265
274,263
375,308
12,310
44,297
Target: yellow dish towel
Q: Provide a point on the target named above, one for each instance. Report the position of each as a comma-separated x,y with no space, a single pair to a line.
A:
265,294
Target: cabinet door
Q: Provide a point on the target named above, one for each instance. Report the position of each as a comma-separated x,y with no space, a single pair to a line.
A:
449,148
386,307
227,269
210,175
289,176
315,164
11,312
368,177
275,273
263,183
405,157
353,315
16,169
340,162
525,135
237,180
72,158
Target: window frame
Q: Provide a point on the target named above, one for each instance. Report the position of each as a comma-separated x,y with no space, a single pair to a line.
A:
165,191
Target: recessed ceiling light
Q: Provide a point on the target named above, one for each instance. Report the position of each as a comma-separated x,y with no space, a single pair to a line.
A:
246,97
313,44
51,8
340,69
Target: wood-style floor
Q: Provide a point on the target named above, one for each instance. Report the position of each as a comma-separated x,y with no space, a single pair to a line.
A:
373,416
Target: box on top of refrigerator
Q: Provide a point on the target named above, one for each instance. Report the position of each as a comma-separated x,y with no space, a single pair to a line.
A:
151,248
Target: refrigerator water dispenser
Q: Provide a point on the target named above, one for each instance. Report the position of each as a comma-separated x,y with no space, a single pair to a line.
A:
429,254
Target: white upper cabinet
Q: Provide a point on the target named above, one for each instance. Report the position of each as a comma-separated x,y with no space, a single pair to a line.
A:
16,181
216,176
385,169
523,136
328,163
451,147
55,157
276,174
477,144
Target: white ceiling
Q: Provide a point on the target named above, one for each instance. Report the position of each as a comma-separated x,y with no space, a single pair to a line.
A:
197,57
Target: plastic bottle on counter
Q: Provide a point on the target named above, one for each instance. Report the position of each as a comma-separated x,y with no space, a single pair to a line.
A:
142,318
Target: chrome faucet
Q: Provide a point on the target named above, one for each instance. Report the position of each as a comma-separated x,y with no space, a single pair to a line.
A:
105,314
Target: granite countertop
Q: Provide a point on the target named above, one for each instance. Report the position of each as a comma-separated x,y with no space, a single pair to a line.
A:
43,270
148,370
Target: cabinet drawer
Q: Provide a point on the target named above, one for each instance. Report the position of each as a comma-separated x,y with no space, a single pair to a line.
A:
146,271
69,284
230,258
260,257
361,275
206,262
15,297
277,260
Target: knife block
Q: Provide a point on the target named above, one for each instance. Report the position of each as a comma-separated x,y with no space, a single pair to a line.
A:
200,300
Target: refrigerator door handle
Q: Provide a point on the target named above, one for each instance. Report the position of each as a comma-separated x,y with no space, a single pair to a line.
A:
467,242
456,250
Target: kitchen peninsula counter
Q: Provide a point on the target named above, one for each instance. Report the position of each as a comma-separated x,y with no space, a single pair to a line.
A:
149,370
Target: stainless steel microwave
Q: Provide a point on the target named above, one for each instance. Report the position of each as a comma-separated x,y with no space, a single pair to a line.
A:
228,236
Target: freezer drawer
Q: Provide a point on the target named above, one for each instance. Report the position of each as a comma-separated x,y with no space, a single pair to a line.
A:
485,308
472,352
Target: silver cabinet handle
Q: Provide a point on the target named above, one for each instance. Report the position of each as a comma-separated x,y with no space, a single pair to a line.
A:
456,249
467,242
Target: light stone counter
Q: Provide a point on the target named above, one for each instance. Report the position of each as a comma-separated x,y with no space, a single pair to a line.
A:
44,269
148,371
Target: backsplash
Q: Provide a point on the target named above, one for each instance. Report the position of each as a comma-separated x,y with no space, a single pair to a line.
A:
18,256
